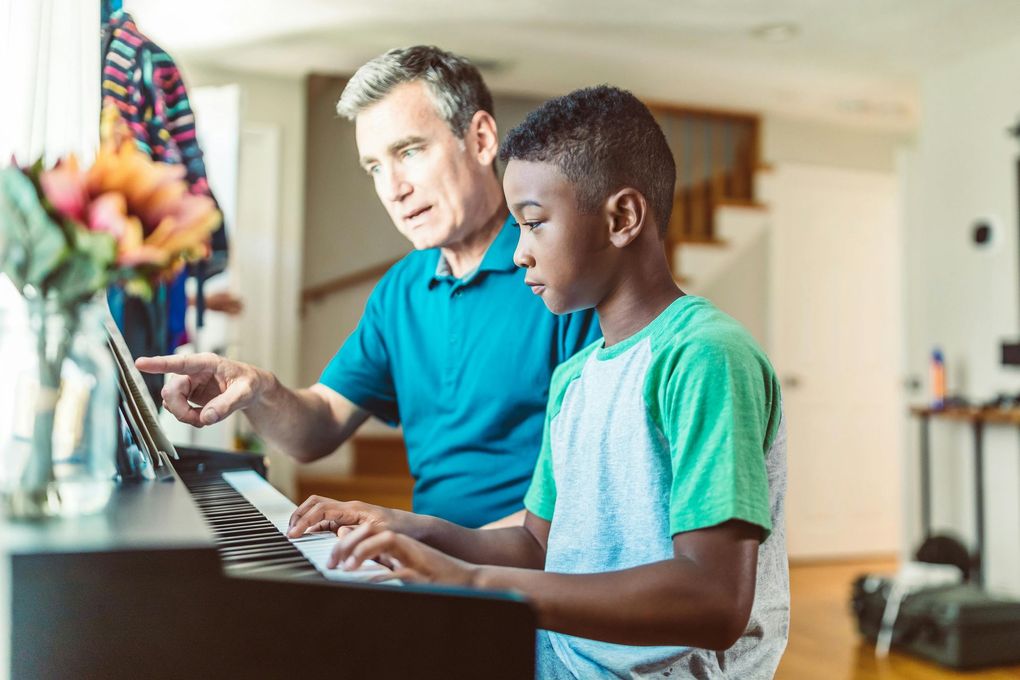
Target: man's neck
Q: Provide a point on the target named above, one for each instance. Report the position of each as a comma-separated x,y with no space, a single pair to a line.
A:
640,295
465,255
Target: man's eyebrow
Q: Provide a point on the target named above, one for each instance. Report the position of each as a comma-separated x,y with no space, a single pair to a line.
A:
394,148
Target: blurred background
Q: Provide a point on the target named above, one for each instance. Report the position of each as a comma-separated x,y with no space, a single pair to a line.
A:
847,188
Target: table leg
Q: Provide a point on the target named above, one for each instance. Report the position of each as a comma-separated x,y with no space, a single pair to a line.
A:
979,500
925,480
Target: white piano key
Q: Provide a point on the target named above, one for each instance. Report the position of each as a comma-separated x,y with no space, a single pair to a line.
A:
316,547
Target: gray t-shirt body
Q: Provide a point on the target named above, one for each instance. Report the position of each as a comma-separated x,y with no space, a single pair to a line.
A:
675,429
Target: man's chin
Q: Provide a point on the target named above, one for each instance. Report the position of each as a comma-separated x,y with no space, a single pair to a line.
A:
423,239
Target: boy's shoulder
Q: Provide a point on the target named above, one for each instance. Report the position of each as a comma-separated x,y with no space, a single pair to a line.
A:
695,331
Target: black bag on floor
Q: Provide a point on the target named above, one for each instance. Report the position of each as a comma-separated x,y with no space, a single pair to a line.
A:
959,626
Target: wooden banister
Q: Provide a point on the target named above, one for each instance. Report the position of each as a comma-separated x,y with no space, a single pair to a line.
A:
717,155
323,290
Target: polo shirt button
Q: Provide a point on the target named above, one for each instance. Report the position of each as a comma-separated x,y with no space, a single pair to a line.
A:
457,293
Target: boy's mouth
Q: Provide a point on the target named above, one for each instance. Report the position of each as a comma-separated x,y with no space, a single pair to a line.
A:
536,288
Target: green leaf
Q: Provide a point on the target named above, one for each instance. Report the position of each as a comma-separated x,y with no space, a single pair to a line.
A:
34,245
88,266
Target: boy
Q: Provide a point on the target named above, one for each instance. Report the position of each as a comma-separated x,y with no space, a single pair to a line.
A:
653,544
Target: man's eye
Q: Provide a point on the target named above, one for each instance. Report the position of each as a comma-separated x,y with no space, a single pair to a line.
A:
372,170
410,153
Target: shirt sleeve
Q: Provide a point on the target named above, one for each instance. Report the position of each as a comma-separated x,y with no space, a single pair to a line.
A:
540,500
361,370
716,409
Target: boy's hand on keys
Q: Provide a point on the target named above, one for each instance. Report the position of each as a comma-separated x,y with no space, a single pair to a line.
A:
410,560
318,513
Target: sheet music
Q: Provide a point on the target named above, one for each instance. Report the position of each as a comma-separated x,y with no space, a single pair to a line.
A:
138,408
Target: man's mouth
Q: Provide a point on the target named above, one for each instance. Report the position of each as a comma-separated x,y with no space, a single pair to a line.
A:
414,214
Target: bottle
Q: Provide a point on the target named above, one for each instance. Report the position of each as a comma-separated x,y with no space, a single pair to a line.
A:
938,379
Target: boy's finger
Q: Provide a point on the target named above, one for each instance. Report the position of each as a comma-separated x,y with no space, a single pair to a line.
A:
371,547
342,549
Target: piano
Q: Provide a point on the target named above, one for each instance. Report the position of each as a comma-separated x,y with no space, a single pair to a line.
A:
186,574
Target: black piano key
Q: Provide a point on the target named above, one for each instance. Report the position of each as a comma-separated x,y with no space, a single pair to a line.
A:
248,543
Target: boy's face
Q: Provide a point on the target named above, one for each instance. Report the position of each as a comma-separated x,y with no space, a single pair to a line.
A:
566,252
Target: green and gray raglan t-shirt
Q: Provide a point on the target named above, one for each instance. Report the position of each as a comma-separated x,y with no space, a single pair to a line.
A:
677,428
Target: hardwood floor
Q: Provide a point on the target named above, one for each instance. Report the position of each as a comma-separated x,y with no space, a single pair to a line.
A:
823,639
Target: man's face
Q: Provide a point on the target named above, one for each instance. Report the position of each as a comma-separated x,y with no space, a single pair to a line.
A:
565,251
424,175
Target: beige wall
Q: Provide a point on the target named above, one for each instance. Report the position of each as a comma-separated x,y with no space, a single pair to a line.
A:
795,140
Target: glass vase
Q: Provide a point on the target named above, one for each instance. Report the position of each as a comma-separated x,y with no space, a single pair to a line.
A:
58,410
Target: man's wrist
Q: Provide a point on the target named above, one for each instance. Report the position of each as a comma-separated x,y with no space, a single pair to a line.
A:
267,388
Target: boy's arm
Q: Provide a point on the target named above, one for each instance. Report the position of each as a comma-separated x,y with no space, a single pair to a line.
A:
517,546
701,598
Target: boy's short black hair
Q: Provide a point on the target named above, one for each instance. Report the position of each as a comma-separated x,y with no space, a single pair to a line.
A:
602,139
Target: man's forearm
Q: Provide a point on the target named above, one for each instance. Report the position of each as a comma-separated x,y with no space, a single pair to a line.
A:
298,422
674,602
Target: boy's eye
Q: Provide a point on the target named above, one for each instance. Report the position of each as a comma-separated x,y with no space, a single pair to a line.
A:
533,224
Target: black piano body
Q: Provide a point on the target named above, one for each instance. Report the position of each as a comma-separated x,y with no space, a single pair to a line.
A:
139,592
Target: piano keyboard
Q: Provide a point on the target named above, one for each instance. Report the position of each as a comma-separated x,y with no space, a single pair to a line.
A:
249,519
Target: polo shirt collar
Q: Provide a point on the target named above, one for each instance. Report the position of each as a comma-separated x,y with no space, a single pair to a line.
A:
499,256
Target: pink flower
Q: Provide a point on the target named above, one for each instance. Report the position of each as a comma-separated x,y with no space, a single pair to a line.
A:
64,187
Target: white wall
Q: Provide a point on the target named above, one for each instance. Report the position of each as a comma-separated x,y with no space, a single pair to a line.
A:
962,299
742,293
280,104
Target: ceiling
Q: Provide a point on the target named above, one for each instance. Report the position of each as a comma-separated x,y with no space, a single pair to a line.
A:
856,62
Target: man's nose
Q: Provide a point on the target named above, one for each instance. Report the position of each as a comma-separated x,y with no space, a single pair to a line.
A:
395,186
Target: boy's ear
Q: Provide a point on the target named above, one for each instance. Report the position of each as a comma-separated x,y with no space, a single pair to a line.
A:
483,137
627,211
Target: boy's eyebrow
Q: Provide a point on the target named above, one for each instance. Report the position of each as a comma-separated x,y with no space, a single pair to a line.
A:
394,147
526,204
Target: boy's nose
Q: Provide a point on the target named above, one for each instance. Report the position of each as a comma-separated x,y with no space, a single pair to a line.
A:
523,258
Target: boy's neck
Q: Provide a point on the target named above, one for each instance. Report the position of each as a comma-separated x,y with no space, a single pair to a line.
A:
644,289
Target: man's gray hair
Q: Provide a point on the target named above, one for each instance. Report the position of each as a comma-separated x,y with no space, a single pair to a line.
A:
456,86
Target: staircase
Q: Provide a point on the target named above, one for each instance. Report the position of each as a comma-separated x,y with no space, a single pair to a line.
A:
717,239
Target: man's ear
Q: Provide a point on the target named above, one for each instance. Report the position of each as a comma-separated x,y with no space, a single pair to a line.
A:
483,137
628,216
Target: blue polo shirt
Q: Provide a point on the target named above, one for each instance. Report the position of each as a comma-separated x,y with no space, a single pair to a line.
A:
464,365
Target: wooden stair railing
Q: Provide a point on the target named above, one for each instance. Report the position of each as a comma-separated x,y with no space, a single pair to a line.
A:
717,156
323,290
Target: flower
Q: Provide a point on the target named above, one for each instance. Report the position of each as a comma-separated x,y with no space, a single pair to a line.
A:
143,206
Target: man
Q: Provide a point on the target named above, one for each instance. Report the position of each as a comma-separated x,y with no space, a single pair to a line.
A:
453,345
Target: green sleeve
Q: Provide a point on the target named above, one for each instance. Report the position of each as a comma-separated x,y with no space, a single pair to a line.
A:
540,500
718,402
